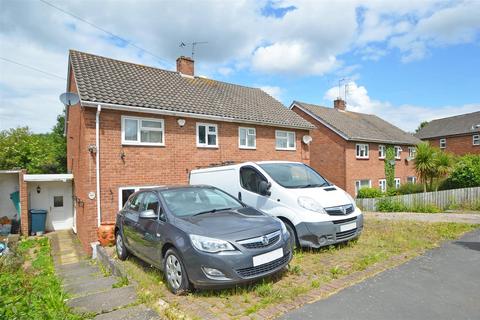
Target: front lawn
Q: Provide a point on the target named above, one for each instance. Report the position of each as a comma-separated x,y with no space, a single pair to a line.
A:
312,274
29,288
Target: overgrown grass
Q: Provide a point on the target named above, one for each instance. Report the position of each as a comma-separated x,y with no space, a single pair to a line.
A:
389,205
309,269
29,288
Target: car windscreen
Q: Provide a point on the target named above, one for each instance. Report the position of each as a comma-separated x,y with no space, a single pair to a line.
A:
294,175
191,201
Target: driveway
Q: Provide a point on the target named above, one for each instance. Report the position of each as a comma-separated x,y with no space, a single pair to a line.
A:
444,283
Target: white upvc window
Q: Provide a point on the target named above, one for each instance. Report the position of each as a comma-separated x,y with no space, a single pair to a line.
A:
125,192
397,183
398,152
381,151
359,184
412,180
412,152
476,139
443,143
143,131
382,183
362,151
285,140
247,138
207,135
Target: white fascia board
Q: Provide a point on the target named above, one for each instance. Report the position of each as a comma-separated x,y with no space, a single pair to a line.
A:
47,177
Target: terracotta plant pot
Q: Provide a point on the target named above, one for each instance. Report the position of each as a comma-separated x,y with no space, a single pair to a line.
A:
106,235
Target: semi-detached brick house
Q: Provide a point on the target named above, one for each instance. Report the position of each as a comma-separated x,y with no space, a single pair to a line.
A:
459,134
139,126
348,148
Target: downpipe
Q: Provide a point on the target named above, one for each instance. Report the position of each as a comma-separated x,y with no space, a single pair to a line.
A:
97,144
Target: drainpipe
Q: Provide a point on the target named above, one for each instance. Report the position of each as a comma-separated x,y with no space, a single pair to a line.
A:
97,143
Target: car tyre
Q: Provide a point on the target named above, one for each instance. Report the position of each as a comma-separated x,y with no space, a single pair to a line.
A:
122,251
293,236
175,273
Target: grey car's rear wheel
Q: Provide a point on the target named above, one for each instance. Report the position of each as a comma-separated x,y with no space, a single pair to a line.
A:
122,252
175,273
293,235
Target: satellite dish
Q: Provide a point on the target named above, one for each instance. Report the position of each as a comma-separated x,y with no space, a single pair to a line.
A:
69,98
307,139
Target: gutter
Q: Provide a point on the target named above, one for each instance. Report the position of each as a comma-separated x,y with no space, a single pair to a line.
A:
112,106
97,160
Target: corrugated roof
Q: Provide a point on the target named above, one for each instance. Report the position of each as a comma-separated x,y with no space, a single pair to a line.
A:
106,80
358,126
461,124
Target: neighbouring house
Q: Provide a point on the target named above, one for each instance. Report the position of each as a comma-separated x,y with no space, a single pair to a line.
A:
458,134
138,126
348,148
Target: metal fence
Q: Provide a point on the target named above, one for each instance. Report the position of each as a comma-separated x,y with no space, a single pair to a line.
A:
442,199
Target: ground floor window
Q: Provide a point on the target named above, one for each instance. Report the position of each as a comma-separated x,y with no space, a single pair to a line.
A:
382,184
412,180
397,183
359,184
125,192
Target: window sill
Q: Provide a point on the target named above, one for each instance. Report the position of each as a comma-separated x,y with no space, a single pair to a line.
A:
362,158
286,149
247,148
137,144
207,147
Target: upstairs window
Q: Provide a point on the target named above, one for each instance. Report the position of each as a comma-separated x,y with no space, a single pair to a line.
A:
207,135
398,152
412,152
362,151
476,140
247,138
143,131
285,140
381,152
443,143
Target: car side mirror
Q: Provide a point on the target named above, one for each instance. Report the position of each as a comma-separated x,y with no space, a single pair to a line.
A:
264,188
148,214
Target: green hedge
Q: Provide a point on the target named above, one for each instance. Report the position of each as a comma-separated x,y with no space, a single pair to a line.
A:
369,193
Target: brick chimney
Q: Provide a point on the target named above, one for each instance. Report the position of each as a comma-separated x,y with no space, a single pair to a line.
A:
339,104
185,65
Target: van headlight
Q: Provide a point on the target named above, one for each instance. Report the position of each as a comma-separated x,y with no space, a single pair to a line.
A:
210,245
310,204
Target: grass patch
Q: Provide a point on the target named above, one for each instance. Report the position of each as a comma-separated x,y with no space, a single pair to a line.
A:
28,285
309,269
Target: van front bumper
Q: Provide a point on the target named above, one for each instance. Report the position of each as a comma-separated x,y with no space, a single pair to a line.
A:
320,234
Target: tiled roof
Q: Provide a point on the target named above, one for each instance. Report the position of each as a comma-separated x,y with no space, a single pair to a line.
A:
358,126
106,80
462,124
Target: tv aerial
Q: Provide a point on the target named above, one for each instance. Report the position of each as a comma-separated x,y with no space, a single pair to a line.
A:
193,44
69,98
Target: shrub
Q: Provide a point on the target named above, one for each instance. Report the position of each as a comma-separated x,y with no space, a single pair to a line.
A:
389,205
465,174
369,193
410,188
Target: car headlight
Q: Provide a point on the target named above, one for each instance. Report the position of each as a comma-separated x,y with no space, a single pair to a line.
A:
310,204
211,245
284,228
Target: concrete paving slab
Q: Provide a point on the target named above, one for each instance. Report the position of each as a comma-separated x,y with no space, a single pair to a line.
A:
90,285
140,312
104,301
78,272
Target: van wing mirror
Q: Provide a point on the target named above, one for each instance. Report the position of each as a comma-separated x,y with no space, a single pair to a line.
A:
264,188
148,214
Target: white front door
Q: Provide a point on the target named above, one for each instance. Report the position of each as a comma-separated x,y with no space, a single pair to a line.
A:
60,216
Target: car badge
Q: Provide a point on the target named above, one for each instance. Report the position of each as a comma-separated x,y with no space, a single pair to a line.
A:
264,240
344,210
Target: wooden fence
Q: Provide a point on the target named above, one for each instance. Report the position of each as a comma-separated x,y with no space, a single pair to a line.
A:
442,199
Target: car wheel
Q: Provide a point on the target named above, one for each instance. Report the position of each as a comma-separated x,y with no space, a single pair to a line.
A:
293,236
122,252
175,274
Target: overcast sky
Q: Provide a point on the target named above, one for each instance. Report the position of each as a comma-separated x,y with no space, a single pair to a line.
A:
406,61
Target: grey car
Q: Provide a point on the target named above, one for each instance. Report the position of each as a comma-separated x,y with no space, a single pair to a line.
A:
201,237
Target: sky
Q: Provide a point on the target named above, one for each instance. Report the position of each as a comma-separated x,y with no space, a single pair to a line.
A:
405,61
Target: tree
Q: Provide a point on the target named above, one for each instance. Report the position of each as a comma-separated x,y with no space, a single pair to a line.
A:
443,166
421,125
424,163
389,167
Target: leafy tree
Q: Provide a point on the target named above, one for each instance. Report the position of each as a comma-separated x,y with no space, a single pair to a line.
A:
421,125
38,153
465,173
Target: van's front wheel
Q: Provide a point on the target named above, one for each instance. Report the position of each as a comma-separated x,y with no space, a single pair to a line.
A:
293,235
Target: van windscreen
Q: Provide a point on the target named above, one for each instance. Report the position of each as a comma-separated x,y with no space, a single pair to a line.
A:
294,175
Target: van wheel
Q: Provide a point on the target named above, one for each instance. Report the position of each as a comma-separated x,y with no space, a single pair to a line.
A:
122,252
293,235
175,273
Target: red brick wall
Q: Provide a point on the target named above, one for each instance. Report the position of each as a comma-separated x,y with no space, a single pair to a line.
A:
373,168
147,165
459,145
22,186
327,151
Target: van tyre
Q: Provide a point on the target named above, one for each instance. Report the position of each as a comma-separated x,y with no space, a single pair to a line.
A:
175,273
293,235
122,251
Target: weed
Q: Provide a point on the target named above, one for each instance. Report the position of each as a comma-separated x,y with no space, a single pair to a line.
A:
336,272
295,269
122,282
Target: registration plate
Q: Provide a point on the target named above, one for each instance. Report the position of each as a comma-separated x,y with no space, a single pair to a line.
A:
267,257
348,226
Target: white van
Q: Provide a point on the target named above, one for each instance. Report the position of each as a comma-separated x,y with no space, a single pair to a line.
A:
315,212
